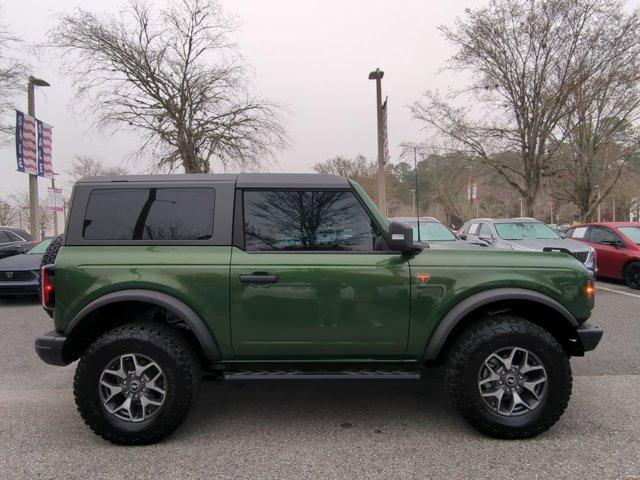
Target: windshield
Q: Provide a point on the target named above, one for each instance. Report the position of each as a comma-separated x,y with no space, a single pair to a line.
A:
525,231
41,247
632,233
431,232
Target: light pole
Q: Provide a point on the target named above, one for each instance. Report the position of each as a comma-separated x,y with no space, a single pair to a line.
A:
521,209
382,201
34,210
613,213
551,208
598,187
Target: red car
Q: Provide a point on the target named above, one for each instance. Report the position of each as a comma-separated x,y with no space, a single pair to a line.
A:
617,246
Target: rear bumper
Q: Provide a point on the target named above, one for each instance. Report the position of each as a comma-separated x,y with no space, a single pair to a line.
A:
588,338
50,348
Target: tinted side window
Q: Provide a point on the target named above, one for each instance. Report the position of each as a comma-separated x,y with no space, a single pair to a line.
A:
306,220
13,237
473,230
4,238
149,214
486,230
602,235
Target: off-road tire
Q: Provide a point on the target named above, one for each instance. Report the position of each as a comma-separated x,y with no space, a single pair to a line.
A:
466,356
50,254
169,350
629,275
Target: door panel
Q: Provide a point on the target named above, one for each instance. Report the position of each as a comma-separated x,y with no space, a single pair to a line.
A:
317,305
609,258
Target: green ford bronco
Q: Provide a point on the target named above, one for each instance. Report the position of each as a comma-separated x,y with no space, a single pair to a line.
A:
159,279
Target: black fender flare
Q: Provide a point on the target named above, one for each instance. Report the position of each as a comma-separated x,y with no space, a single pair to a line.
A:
466,306
193,321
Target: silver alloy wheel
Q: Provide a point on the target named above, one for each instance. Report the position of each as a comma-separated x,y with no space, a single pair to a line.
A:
512,381
132,387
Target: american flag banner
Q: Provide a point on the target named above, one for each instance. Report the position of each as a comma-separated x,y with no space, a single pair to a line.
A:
26,151
45,167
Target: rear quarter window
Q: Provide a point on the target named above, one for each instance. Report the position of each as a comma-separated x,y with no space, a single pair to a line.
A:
178,213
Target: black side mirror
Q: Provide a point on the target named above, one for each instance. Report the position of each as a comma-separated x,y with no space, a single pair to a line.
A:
401,238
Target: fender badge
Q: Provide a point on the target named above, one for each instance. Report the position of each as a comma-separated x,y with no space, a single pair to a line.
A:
423,278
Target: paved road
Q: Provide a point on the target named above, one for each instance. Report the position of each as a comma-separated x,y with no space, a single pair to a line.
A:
326,429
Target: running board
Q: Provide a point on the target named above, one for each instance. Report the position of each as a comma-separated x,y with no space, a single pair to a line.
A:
322,375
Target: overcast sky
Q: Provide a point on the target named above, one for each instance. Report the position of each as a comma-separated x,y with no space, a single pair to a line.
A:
312,57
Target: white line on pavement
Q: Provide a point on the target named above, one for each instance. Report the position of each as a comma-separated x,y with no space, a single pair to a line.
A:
617,291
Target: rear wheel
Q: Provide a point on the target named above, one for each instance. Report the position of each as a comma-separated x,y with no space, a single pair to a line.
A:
632,275
508,377
135,384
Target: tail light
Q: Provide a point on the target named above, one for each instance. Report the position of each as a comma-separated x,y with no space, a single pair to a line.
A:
47,288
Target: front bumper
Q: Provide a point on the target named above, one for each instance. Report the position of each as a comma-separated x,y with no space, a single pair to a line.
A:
19,288
50,348
587,338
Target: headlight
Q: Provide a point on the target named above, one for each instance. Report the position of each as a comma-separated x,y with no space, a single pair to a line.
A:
590,262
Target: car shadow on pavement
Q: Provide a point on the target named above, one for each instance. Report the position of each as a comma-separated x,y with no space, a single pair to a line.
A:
323,406
19,300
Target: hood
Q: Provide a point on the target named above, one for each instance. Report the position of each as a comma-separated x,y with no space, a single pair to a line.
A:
493,258
21,262
537,245
451,244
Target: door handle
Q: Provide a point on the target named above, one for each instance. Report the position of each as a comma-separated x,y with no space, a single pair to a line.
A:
259,278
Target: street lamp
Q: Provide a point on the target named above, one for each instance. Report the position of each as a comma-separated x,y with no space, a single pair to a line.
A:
377,75
521,208
34,213
598,187
613,215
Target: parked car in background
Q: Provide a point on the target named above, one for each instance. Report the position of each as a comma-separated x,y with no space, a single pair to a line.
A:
431,230
19,274
14,241
617,246
526,234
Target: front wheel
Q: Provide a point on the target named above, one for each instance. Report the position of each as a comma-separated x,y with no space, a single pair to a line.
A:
135,384
508,377
632,275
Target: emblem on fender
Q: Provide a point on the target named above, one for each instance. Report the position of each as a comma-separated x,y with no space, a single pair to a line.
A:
423,278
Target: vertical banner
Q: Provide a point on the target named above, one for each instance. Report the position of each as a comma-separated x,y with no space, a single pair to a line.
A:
20,140
54,199
472,192
26,150
385,138
45,167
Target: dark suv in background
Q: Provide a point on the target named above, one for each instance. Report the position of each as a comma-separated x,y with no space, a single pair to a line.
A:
14,241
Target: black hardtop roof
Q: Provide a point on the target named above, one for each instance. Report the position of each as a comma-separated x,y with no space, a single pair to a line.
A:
243,180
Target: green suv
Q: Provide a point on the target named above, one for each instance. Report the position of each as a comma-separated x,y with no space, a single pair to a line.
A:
159,279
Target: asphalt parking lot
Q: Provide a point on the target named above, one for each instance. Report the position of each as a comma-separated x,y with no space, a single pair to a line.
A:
326,428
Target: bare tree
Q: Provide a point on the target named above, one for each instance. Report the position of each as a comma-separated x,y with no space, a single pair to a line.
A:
22,206
174,76
442,178
600,139
12,74
86,166
7,213
526,58
363,171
